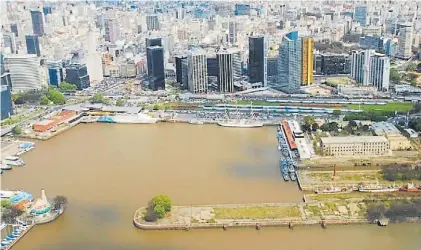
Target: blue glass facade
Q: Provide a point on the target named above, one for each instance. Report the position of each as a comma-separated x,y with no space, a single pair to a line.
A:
47,10
32,45
37,22
370,42
156,71
242,10
56,74
77,74
6,102
257,67
14,29
360,15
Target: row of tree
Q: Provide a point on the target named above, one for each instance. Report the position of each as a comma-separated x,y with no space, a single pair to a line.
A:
415,124
375,116
395,172
397,212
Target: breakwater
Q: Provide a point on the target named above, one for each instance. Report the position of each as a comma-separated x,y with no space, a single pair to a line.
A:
238,215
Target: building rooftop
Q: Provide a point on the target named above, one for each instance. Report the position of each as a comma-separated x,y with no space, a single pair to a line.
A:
383,128
352,139
44,122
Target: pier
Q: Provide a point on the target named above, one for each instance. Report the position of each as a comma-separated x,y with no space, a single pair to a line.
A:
9,246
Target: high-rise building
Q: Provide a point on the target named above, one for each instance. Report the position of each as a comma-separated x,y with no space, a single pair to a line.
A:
405,41
152,22
360,15
179,68
77,74
93,59
370,68
157,41
9,41
32,45
56,72
6,102
111,29
257,65
212,64
229,69
24,72
37,22
232,32
184,73
331,64
391,25
156,70
47,10
360,66
14,29
242,10
380,71
290,57
308,60
370,42
197,71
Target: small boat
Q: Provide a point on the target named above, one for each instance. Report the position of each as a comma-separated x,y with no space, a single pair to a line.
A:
377,189
293,176
286,177
279,147
5,167
196,122
285,152
13,160
410,187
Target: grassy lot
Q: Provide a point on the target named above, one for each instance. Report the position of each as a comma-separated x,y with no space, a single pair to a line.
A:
334,81
257,213
378,196
392,106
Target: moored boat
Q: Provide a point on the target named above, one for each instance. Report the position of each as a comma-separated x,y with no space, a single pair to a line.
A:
13,161
293,176
377,189
196,122
5,167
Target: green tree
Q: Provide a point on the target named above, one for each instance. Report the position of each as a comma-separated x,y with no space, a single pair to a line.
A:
99,98
44,100
416,108
156,107
411,67
337,112
159,211
315,126
59,202
394,75
375,212
5,203
119,102
162,200
167,107
309,120
17,130
56,97
67,87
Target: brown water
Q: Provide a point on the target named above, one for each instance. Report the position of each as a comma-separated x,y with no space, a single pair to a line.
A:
107,171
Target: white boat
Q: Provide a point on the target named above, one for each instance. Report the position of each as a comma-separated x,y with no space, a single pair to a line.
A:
13,161
241,123
196,122
5,167
5,194
378,189
128,118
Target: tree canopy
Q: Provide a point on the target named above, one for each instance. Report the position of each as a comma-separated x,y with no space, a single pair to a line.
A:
309,120
44,100
415,124
160,205
99,98
394,75
119,102
411,67
59,202
67,87
56,97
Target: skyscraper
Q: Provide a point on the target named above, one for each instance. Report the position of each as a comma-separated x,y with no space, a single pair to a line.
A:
157,41
179,68
32,45
360,66
307,61
380,71
232,32
405,41
290,58
9,41
156,70
24,72
257,66
360,15
152,22
77,74
14,29
93,59
37,22
197,71
229,69
111,29
6,102
55,72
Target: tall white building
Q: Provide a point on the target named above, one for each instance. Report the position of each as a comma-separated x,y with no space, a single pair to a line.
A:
93,59
197,76
360,66
370,68
25,72
405,41
229,69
